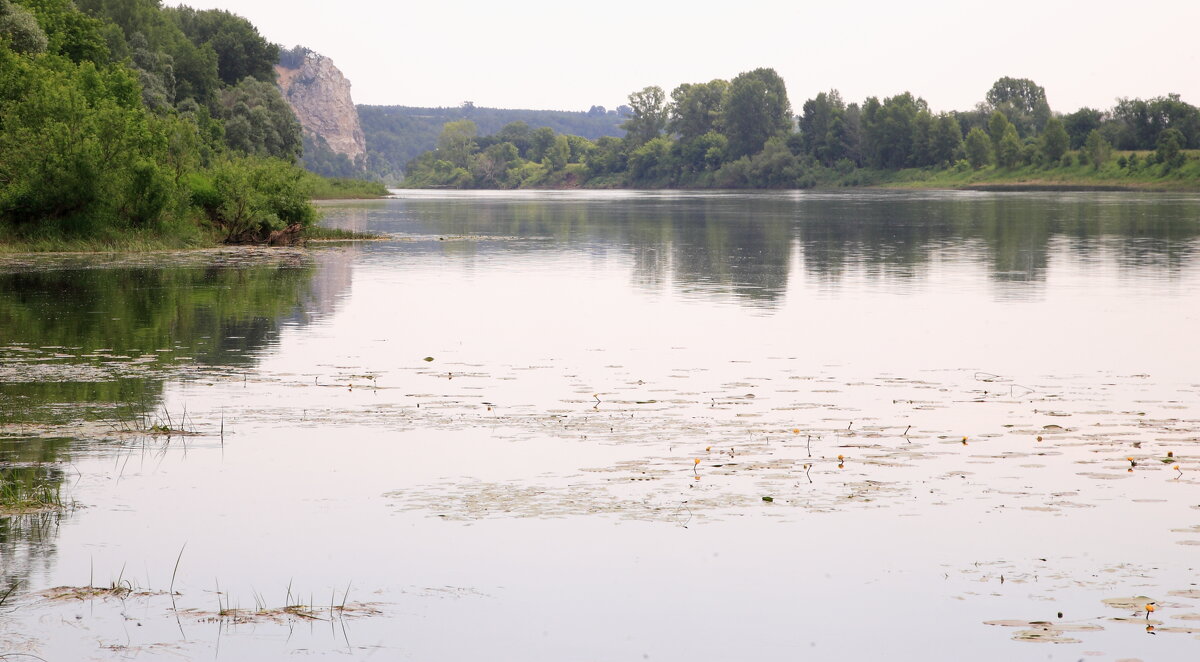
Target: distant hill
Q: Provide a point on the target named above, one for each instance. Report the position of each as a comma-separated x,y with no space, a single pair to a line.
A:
398,134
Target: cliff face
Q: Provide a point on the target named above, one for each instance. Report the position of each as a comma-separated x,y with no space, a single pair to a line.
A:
320,96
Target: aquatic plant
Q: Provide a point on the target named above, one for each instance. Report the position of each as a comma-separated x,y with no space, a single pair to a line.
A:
30,488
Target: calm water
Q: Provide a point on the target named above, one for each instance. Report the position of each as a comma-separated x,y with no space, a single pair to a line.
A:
913,415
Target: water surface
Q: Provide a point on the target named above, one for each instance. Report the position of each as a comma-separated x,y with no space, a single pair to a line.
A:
481,434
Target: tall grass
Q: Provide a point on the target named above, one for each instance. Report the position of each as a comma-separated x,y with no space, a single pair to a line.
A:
1139,175
28,488
341,188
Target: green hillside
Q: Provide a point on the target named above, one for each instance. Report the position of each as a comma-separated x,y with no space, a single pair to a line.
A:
398,134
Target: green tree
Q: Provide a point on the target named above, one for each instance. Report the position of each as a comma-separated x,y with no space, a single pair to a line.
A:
558,155
259,121
706,152
1008,152
774,166
1023,103
1098,149
888,129
824,131
756,108
146,25
1169,148
921,154
1139,122
580,148
456,144
1080,123
978,148
490,166
77,150
609,157
947,140
651,164
541,140
519,134
1055,141
241,51
156,73
696,108
649,117
248,197
69,31
20,30
997,126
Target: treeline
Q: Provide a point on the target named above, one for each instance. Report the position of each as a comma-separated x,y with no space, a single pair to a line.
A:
742,133
397,134
122,116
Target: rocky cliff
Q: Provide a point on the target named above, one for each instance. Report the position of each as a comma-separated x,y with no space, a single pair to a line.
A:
320,96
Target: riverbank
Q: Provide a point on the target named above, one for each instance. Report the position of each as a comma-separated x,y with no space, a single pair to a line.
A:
183,235
1127,171
340,188
142,242
1124,171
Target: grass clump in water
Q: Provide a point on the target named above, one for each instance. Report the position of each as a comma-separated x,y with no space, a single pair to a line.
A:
29,489
319,233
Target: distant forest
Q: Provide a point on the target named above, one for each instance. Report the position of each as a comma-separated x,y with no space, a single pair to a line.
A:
398,134
744,133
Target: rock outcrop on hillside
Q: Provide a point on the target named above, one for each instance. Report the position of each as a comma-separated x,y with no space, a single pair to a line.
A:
320,96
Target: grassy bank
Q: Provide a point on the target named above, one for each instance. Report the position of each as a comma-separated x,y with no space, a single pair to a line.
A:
1125,171
179,234
339,188
144,242
110,240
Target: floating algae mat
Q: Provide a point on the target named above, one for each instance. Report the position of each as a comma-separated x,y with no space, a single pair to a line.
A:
615,425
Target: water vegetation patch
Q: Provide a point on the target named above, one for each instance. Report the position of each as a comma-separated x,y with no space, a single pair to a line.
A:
29,489
322,233
163,604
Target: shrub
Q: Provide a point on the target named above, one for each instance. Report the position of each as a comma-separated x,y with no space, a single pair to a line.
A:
248,197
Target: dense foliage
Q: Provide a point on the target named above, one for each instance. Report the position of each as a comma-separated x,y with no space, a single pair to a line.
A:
741,133
121,116
397,134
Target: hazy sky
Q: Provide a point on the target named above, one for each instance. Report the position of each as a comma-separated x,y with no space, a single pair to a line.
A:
570,55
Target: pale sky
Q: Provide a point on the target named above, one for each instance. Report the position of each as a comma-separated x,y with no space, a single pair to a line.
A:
569,55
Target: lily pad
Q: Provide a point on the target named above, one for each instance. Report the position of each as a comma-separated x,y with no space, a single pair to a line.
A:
1136,603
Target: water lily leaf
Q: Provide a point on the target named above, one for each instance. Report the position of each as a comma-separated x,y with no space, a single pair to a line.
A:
1136,603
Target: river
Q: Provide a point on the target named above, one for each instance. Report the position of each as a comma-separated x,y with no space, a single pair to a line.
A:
617,425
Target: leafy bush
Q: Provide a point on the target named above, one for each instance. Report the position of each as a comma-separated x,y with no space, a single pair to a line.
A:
248,197
77,149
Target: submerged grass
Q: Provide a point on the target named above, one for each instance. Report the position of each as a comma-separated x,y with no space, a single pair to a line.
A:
29,489
142,421
319,233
